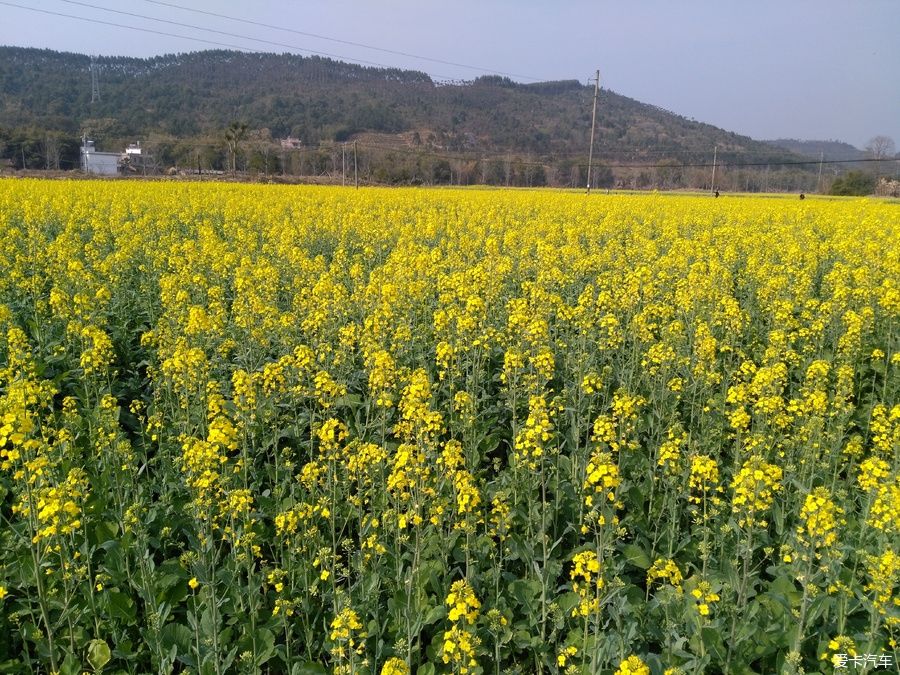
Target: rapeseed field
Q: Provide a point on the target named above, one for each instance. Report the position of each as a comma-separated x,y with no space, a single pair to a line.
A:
311,430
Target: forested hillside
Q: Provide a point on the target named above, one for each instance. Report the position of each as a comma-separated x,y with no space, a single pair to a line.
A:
184,103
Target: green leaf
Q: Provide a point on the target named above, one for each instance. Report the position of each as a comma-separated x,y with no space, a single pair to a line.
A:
98,654
308,668
526,591
176,635
348,400
435,615
568,602
636,556
264,640
105,533
712,641
70,666
121,606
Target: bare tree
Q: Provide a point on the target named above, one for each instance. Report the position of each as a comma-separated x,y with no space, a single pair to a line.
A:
51,148
881,147
263,146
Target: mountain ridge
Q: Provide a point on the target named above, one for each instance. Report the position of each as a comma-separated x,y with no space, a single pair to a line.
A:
828,150
196,95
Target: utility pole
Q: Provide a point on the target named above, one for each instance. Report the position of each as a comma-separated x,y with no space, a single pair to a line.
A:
819,179
715,154
355,167
343,164
593,125
95,81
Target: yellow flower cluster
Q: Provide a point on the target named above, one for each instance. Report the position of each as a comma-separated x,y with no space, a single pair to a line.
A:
459,642
395,666
57,508
327,390
704,597
885,512
840,644
704,478
602,478
625,408
383,378
587,582
665,570
591,383
819,519
754,489
670,450
884,575
532,439
873,473
462,602
346,628
565,654
458,649
885,429
633,665
500,522
417,420
331,435
98,350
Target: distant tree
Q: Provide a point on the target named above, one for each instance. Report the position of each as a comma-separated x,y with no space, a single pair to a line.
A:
52,149
643,179
495,172
881,147
234,136
603,177
441,173
264,149
669,172
535,175
856,183
26,149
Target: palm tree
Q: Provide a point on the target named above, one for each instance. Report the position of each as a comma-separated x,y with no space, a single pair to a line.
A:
234,134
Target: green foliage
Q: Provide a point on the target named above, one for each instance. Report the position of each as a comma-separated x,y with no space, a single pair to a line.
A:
189,99
855,183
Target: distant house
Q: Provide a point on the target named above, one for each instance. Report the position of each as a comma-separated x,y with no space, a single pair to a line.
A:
98,163
133,149
291,143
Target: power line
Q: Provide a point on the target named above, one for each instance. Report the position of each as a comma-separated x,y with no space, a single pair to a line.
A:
120,25
227,34
344,42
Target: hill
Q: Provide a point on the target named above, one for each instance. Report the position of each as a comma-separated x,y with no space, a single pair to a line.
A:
195,96
833,150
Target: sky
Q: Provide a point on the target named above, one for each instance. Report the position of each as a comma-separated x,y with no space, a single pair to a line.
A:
807,69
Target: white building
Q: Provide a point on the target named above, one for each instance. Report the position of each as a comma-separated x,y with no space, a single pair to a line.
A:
98,163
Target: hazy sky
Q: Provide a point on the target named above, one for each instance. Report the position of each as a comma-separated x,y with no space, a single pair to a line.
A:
817,69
